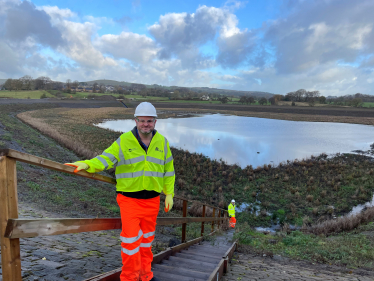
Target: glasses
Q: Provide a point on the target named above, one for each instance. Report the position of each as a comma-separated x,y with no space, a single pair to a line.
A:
145,121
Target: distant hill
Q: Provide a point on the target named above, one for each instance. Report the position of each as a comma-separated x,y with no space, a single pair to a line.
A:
206,90
109,82
232,92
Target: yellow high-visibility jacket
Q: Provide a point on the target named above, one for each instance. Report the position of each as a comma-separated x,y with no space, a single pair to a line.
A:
231,210
136,169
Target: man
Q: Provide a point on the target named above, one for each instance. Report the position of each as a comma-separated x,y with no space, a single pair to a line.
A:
231,210
144,169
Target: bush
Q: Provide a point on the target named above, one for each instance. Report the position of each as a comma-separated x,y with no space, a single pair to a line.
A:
92,96
43,96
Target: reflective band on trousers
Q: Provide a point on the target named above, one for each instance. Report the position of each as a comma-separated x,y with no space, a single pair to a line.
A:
145,245
132,239
149,234
130,252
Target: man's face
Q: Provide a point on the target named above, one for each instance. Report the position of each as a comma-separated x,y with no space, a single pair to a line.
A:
233,203
145,124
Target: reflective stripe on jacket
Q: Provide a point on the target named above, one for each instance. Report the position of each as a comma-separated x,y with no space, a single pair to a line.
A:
231,210
136,169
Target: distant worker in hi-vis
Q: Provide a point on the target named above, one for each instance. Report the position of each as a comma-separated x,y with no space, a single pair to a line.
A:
231,210
144,168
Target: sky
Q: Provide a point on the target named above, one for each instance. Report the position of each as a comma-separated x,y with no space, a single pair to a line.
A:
275,46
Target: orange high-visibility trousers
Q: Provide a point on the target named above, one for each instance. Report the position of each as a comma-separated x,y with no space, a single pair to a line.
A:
138,218
232,222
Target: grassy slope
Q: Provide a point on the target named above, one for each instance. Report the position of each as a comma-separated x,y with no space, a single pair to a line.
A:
351,249
24,94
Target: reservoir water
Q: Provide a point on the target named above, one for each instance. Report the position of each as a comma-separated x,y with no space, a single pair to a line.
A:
256,141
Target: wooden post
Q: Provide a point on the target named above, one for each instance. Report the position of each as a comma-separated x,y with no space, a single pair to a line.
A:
214,215
202,224
219,215
10,248
184,224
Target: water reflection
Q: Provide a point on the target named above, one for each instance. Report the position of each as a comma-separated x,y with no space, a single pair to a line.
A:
256,141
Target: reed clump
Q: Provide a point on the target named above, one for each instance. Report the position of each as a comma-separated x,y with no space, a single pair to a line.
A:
346,223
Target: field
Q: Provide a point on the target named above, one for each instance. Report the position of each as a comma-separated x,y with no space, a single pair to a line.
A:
368,104
24,94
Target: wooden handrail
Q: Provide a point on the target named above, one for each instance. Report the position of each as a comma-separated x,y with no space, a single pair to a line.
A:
49,164
26,228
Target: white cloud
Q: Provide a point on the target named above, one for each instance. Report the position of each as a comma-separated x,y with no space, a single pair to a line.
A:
128,45
55,11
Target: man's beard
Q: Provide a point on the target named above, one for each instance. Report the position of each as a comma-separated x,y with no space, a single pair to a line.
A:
145,133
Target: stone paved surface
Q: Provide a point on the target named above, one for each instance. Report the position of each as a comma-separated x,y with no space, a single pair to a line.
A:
69,256
250,267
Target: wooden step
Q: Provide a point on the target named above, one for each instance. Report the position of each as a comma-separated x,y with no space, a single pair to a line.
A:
189,264
202,254
181,271
210,251
191,261
163,276
198,257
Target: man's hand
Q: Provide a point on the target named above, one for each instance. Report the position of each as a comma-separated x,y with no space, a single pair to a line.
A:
168,202
78,165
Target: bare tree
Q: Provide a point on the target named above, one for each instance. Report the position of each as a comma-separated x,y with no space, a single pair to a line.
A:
243,99
102,88
41,82
95,87
75,84
27,82
322,99
251,100
300,94
263,101
68,84
8,85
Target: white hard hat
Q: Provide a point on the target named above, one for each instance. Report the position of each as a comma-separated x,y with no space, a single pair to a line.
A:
232,201
145,109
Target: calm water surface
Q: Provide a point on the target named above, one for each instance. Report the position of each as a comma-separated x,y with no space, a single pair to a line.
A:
256,141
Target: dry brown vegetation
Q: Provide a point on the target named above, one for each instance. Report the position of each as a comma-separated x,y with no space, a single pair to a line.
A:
346,223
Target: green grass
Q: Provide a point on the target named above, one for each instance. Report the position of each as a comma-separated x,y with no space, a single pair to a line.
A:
347,249
24,94
368,104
